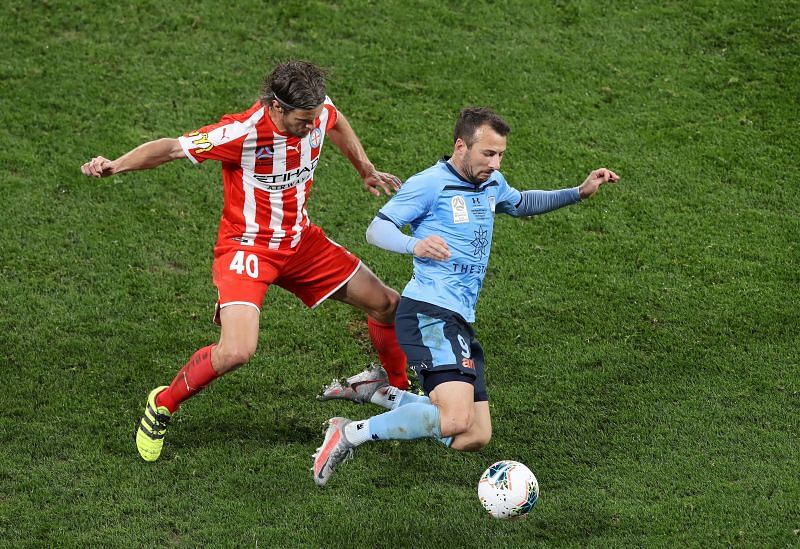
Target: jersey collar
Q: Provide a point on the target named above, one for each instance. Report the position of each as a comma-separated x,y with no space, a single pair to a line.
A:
446,161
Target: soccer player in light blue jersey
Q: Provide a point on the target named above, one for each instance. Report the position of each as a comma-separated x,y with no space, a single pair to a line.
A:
450,208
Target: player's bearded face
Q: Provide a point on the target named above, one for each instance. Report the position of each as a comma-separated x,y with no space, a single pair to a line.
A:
484,156
474,173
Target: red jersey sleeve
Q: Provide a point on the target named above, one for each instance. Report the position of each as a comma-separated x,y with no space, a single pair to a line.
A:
223,140
333,114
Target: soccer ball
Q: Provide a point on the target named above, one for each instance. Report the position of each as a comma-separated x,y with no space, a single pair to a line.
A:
508,490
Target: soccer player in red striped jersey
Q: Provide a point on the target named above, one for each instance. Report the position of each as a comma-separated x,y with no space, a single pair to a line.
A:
269,154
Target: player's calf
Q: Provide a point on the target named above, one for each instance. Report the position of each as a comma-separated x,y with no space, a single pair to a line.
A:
454,425
479,433
471,441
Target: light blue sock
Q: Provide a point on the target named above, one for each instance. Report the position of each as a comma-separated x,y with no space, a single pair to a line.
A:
414,420
386,399
392,398
407,397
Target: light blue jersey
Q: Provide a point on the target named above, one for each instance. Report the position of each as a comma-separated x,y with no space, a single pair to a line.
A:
439,202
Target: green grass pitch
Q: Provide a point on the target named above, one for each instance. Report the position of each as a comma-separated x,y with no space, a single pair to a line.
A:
642,347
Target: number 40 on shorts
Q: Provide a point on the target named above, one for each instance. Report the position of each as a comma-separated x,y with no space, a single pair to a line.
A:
248,264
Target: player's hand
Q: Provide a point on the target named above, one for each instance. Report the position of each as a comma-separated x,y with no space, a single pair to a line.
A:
598,177
381,180
432,247
98,167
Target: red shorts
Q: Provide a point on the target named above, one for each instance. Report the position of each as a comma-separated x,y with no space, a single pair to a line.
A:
312,271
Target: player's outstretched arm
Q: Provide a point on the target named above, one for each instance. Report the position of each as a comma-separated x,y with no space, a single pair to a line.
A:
594,180
145,156
536,202
347,141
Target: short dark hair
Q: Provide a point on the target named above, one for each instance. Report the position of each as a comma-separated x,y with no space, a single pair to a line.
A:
472,118
296,85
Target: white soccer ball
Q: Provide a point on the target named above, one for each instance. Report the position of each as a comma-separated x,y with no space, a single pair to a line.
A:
508,490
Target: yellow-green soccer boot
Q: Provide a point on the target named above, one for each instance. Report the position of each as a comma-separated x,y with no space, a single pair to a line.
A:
152,428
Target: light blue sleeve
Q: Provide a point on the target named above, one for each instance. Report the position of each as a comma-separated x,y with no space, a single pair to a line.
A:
385,234
526,203
412,201
506,194
539,202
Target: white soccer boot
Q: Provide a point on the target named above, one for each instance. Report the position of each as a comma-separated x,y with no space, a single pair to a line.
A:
358,388
335,449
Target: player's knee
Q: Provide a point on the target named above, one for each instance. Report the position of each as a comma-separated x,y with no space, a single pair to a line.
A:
390,301
233,356
387,306
453,425
393,300
242,354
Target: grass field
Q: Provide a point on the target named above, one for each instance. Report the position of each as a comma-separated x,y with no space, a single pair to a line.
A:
642,347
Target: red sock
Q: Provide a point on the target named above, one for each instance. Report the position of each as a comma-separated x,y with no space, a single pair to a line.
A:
191,379
389,352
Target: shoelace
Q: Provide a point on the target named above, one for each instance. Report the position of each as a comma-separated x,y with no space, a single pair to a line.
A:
162,422
337,458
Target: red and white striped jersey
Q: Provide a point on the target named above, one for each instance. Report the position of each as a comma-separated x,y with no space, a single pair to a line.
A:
267,175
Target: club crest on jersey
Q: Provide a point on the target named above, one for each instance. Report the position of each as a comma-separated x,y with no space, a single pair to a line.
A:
315,138
459,206
264,152
492,203
480,242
